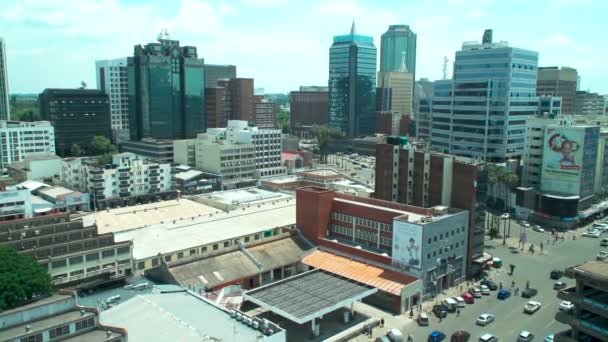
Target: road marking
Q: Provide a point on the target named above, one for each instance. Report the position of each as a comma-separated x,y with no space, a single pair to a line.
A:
548,324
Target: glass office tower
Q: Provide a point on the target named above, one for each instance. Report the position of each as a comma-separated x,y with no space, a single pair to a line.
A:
352,84
393,43
166,91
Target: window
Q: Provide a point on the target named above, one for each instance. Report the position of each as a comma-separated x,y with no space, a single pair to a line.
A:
85,323
216,247
441,236
141,265
59,331
192,251
428,256
180,255
107,253
227,244
167,258
92,256
429,241
435,238
76,260
204,249
246,239
154,262
256,237
59,263
75,273
122,250
93,269
32,338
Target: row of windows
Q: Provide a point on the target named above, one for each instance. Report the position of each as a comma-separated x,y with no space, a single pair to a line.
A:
447,235
361,221
85,324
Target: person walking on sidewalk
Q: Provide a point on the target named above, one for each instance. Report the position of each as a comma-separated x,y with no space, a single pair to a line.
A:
382,322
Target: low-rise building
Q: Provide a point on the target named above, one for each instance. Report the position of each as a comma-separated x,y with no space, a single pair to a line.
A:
150,148
21,139
184,152
56,318
38,168
65,199
190,182
15,204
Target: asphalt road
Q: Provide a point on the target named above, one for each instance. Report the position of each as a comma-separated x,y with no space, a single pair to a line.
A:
346,165
510,319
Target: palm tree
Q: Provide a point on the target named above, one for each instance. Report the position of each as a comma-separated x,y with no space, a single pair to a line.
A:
325,135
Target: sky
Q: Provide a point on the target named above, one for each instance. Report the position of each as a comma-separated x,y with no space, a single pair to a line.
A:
283,44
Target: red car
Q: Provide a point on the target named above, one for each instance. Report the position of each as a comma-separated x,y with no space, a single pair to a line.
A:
468,298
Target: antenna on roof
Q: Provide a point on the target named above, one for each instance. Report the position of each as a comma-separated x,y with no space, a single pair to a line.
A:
163,35
444,67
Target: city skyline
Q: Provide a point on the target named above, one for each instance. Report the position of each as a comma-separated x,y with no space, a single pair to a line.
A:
267,39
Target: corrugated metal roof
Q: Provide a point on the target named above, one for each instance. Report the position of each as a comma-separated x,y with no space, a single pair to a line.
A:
385,280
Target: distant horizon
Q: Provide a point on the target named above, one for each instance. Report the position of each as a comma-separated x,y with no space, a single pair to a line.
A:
279,44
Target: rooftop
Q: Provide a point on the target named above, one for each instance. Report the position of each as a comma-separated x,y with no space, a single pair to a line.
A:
43,324
188,174
308,295
58,191
412,217
31,185
37,303
596,269
177,316
321,173
241,197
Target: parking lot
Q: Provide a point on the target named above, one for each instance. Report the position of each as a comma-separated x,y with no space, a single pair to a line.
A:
361,168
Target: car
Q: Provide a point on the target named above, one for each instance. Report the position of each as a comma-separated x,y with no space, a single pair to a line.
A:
600,226
604,243
353,174
468,298
490,284
529,293
460,302
392,335
549,338
525,336
460,336
484,290
538,228
602,255
526,225
496,262
566,305
531,307
503,294
436,336
487,338
485,319
440,310
556,274
593,234
476,292
559,285
423,319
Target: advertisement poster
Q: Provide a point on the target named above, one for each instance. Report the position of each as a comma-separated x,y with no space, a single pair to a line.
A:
562,160
407,246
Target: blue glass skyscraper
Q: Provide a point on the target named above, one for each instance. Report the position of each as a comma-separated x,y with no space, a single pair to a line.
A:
396,41
352,84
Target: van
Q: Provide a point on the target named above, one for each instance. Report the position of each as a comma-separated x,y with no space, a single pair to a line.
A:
460,302
487,338
423,319
450,304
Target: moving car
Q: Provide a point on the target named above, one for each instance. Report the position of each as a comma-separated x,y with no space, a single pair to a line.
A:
531,307
487,338
529,293
468,298
440,310
490,284
503,294
476,292
566,305
393,335
604,243
602,255
436,336
559,285
556,274
423,319
549,338
485,319
484,290
525,336
538,228
496,262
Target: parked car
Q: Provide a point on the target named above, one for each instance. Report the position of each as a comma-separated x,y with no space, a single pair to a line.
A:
566,305
460,302
529,293
393,335
496,262
423,319
503,294
468,298
604,243
487,338
549,338
484,290
602,255
485,319
490,284
559,285
593,234
531,307
436,336
460,336
525,336
556,274
538,228
450,304
440,311
476,292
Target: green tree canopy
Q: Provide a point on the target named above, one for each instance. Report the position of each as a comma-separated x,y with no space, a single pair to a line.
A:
75,150
21,278
101,145
283,119
325,135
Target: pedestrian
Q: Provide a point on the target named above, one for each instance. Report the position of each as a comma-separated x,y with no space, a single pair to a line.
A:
513,283
527,284
541,247
440,318
382,322
500,285
457,312
366,329
410,338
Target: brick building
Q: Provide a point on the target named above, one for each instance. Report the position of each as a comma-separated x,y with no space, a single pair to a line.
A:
309,106
426,179
393,123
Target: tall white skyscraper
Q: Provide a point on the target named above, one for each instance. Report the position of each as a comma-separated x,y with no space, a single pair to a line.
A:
112,80
5,113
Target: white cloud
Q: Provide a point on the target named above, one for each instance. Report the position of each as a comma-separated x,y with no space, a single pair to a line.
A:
559,40
265,2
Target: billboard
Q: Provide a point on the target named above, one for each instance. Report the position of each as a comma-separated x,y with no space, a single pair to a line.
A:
562,160
407,246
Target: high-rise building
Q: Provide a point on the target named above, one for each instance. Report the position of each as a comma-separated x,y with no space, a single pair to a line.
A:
394,43
482,112
21,139
408,175
215,72
308,107
166,90
265,113
112,79
5,113
394,99
587,103
352,84
241,98
77,116
558,82
217,106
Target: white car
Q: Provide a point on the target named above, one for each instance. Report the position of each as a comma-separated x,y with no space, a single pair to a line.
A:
538,228
525,336
487,338
566,305
485,319
602,255
594,233
484,290
531,307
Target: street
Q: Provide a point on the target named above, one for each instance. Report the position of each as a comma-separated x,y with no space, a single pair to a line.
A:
510,319
347,165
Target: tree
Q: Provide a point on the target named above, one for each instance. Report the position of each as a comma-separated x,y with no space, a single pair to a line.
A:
105,158
75,150
506,180
21,278
283,120
493,232
101,145
324,135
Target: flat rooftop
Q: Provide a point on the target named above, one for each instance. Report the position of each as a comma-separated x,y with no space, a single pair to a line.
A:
321,173
178,316
139,216
308,295
244,196
218,226
43,324
596,269
412,217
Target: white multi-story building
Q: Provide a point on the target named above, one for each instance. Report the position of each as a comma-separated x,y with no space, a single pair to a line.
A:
128,175
19,139
15,204
233,161
112,79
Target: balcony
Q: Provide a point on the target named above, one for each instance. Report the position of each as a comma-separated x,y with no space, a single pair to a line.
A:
154,181
95,180
121,177
124,193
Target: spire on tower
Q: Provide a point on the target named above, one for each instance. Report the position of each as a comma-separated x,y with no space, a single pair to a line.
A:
403,66
352,28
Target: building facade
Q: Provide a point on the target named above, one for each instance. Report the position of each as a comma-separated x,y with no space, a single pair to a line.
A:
398,41
241,99
184,152
587,103
15,205
352,84
166,85
561,82
161,150
215,72
217,105
308,107
21,139
5,113
550,106
265,113
77,115
112,79
482,113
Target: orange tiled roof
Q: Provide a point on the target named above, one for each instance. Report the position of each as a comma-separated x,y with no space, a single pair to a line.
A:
385,280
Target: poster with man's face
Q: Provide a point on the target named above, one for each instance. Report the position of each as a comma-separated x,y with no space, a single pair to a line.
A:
407,245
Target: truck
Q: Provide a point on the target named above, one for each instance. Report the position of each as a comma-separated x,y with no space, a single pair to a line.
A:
450,303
